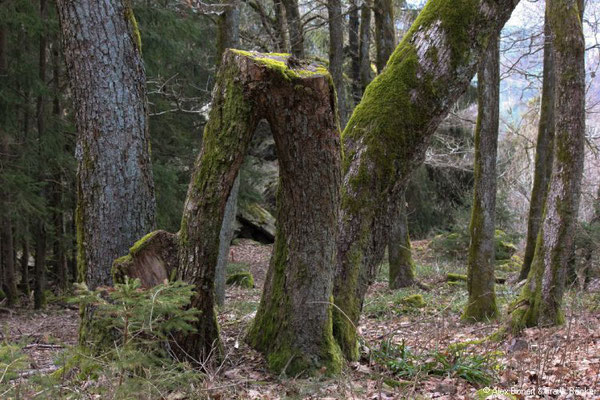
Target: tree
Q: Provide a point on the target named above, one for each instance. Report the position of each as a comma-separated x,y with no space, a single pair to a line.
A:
115,190
480,276
543,153
336,55
385,37
389,131
294,23
540,300
365,45
293,323
353,50
401,264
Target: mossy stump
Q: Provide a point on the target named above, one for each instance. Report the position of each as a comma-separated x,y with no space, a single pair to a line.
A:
242,279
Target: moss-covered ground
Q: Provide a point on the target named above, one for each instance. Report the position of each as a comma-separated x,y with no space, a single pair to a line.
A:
413,344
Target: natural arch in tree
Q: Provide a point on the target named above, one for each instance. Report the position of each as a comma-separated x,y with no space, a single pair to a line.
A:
115,189
543,153
480,274
539,303
389,131
293,326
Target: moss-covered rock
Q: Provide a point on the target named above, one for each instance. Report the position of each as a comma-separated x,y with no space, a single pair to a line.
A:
451,277
412,301
456,245
241,279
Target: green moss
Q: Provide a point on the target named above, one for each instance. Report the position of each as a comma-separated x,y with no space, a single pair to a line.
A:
141,244
451,277
243,279
277,62
118,275
413,301
137,37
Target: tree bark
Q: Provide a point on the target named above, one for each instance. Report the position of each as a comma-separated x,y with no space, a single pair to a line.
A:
336,56
385,36
543,153
294,22
25,269
480,276
293,323
281,27
7,254
115,190
365,45
389,131
353,50
540,300
401,264
39,268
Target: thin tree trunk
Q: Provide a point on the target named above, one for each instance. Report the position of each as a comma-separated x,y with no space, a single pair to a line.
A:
480,264
115,190
8,257
385,36
294,22
541,297
39,269
389,131
401,264
353,46
25,269
543,153
281,27
336,56
228,34
365,45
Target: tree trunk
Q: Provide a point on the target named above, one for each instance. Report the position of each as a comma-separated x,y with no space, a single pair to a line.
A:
281,27
401,264
294,22
543,153
336,56
389,131
228,34
353,50
541,297
480,275
293,324
25,269
39,287
365,45
115,190
385,37
7,254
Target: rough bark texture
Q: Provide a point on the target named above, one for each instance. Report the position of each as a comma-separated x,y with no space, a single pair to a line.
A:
389,131
543,153
336,56
480,263
541,297
228,38
401,264
293,323
294,22
115,204
281,28
365,44
385,37
353,50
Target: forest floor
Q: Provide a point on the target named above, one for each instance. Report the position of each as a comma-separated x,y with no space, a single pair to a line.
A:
410,349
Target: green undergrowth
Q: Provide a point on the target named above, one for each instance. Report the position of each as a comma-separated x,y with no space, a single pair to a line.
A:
455,361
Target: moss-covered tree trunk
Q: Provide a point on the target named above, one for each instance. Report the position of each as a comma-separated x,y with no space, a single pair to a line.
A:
543,153
385,36
389,131
401,264
293,324
115,190
480,263
541,297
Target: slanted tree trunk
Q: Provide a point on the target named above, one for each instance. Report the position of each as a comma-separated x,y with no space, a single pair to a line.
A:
294,22
115,190
385,36
480,264
401,264
543,153
389,131
293,323
540,300
353,50
336,55
365,45
228,34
